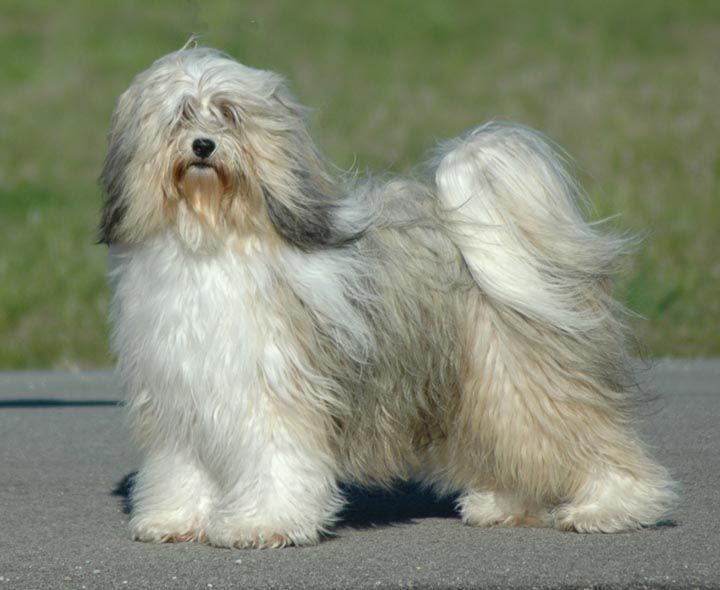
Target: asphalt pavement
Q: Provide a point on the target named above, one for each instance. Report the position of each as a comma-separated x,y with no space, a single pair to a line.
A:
66,464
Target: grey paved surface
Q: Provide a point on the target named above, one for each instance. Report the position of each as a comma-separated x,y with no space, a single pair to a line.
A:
65,459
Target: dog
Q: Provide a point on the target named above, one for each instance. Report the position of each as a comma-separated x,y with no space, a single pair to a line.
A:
281,328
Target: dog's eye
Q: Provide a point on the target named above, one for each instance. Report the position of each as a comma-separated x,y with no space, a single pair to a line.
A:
187,113
229,114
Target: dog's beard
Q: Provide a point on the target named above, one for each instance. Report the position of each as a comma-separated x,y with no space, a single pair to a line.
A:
211,204
203,195
203,190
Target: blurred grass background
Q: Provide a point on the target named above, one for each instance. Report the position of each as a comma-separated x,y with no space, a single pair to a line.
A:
631,89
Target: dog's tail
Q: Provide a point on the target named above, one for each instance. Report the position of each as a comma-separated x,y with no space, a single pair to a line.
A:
516,214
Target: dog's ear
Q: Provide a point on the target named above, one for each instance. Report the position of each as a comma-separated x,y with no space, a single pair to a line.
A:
303,200
112,181
113,176
305,214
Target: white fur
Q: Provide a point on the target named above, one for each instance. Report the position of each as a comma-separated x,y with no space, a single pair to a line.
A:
614,500
515,216
204,335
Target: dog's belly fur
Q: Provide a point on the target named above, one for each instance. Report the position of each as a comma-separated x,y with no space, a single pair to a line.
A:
360,344
405,400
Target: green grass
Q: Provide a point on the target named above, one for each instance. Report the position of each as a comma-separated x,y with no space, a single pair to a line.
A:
629,88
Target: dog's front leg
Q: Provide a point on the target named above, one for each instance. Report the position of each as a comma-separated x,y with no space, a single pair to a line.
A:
282,489
171,498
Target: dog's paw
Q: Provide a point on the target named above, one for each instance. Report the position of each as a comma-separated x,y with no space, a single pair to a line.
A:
250,540
225,533
597,518
614,501
165,531
501,509
590,519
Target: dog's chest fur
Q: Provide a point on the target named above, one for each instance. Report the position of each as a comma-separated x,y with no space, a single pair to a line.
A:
213,340
192,319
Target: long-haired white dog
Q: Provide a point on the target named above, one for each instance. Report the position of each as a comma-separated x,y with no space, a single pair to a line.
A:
279,330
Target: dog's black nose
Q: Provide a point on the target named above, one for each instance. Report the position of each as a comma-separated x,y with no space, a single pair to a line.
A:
203,147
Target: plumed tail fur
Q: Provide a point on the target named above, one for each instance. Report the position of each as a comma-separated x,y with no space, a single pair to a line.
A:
514,211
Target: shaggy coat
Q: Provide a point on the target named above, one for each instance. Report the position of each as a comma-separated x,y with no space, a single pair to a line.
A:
279,330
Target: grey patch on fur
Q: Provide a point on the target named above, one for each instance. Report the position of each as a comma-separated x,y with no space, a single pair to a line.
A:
114,206
112,215
114,176
311,225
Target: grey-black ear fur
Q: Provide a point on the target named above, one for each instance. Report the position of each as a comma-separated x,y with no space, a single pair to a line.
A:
113,176
308,221
112,182
303,203
110,220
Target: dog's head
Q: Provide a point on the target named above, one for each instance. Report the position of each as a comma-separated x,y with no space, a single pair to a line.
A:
214,150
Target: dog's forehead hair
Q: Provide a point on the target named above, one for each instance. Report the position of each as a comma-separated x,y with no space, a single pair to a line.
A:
204,78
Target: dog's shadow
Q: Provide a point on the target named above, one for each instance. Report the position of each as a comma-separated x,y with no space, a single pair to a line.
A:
364,508
403,503
123,491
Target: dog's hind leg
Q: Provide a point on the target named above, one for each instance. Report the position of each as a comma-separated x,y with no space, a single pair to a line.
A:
503,509
545,412
538,444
